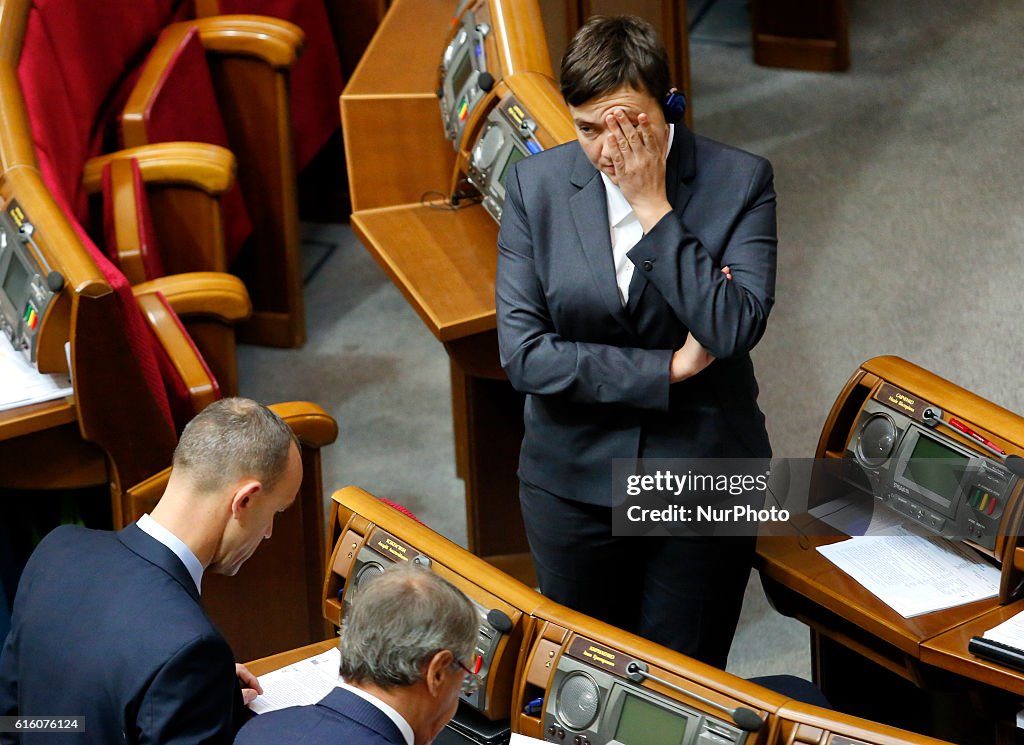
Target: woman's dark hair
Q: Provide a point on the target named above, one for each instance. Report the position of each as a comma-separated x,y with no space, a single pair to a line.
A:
609,52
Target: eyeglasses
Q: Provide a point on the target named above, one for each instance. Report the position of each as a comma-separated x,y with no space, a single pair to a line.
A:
471,683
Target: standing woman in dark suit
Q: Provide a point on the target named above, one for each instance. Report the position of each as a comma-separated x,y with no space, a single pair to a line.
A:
636,270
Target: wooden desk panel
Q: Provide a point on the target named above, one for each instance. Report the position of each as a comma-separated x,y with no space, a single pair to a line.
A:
274,662
25,420
803,723
949,651
412,33
443,261
821,583
395,149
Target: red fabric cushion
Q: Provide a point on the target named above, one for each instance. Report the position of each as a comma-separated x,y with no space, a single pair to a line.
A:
139,335
184,107
315,77
177,391
74,59
149,250
404,510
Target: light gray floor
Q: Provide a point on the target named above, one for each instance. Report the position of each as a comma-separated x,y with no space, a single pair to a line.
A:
901,231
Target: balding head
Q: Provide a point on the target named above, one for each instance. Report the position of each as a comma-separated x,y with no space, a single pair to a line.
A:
229,440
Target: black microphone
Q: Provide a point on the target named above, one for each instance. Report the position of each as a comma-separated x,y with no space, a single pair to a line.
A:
1016,464
746,719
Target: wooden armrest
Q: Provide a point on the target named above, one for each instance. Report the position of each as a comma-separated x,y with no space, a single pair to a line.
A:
210,168
273,40
312,425
202,293
202,389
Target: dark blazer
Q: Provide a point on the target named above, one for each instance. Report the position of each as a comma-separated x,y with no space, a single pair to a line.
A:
340,718
109,626
597,374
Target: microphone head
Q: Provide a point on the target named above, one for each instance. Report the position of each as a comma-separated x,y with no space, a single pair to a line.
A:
499,620
636,671
1015,463
747,719
55,281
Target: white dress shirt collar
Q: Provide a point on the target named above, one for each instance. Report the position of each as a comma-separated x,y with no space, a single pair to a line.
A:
403,726
624,228
159,533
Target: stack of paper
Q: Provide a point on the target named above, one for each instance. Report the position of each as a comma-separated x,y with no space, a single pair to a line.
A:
1010,632
915,574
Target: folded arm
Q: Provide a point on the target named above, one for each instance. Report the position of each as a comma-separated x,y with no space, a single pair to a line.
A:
537,359
727,317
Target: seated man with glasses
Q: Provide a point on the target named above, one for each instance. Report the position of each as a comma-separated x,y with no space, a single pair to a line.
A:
408,644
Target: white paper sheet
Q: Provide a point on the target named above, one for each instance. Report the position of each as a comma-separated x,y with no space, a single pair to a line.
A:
301,683
1009,632
22,384
913,574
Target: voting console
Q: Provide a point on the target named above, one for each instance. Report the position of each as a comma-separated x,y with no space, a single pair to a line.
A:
493,40
945,462
556,675
25,291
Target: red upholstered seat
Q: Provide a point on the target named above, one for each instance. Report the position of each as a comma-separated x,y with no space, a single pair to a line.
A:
184,107
74,71
184,404
136,253
315,78
139,336
74,67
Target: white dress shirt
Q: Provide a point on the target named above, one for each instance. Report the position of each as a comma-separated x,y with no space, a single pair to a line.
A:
624,228
163,535
403,726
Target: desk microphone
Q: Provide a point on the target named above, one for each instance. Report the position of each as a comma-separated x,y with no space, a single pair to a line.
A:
1015,463
746,719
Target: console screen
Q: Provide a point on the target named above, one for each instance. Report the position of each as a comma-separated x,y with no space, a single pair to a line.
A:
461,74
937,469
644,723
16,284
515,155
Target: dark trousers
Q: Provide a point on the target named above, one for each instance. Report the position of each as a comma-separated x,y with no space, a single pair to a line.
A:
684,593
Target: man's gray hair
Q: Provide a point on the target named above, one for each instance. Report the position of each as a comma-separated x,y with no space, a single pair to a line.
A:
400,619
231,439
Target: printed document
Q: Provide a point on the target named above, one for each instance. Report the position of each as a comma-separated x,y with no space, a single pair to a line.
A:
1010,632
914,574
22,384
303,682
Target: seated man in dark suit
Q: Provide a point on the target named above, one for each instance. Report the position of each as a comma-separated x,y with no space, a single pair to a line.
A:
407,646
109,626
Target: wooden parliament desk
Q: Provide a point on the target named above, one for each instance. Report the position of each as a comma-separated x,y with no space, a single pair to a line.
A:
41,447
546,653
402,170
870,661
274,662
